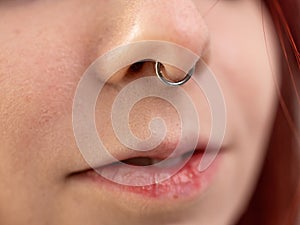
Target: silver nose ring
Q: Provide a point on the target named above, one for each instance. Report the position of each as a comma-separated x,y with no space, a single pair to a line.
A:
166,81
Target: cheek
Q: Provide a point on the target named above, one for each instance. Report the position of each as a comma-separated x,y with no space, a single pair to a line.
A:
42,60
33,93
241,64
37,87
247,67
41,63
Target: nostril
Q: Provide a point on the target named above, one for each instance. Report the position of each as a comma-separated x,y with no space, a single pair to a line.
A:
136,67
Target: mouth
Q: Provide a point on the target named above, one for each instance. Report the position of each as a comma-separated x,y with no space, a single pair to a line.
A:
148,161
177,177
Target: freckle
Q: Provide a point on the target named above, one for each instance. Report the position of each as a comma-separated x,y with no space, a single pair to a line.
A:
17,31
28,99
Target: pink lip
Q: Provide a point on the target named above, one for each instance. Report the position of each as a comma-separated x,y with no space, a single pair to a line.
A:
186,183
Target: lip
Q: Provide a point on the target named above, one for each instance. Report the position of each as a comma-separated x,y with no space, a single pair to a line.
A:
186,183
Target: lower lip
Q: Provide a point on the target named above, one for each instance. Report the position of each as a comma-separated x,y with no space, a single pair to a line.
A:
188,182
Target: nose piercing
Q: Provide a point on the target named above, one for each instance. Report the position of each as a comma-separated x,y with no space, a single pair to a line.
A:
160,75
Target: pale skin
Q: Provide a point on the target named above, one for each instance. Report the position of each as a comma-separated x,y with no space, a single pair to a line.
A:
45,47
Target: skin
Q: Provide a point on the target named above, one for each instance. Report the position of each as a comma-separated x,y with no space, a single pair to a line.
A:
46,46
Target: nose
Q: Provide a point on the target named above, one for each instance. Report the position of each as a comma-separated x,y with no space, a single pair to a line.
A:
176,21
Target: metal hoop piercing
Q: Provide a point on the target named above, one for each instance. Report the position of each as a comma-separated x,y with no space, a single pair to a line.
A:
169,82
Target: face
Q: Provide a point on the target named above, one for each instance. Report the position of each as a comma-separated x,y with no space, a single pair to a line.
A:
46,46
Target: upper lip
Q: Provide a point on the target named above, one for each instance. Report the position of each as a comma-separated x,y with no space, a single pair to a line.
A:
163,151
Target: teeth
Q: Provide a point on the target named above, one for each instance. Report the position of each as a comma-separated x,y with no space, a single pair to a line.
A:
154,161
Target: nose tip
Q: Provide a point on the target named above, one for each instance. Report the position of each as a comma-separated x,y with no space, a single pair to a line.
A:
177,21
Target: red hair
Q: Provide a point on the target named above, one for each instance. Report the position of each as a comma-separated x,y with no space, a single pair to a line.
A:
276,200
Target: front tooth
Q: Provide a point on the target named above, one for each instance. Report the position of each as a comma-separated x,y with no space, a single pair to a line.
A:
154,161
